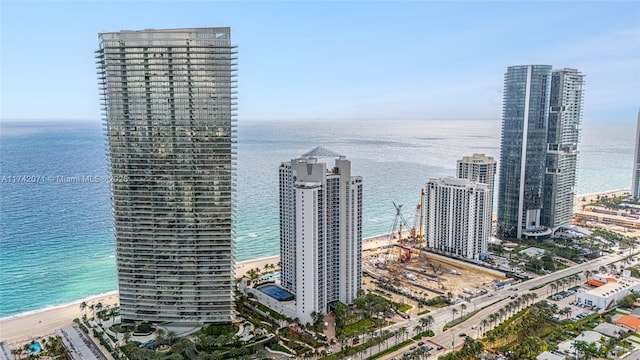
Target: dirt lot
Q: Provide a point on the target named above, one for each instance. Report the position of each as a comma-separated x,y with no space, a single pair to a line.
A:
426,275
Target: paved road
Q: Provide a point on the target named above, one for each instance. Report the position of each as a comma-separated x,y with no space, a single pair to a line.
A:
450,338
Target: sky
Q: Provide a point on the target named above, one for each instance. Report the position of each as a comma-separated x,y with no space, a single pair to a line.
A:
336,59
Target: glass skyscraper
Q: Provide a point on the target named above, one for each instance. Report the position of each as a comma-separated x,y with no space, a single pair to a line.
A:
525,117
563,135
635,186
168,103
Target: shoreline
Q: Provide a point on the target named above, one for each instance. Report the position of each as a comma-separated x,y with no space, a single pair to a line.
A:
25,326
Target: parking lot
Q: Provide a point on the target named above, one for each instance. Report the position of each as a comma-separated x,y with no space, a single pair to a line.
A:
568,299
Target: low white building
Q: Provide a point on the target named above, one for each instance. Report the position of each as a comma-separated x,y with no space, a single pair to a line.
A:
605,296
285,307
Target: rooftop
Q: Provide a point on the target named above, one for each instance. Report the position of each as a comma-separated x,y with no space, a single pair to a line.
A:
629,321
320,151
612,287
547,355
610,330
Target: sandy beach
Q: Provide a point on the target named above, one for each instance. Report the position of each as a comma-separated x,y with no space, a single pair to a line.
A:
22,328
585,199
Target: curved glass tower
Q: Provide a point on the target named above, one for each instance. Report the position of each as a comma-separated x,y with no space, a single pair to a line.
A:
525,116
168,105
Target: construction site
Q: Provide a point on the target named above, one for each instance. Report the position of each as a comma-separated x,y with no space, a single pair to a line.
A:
402,270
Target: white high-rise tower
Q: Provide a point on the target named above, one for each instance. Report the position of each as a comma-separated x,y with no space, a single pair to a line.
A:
320,231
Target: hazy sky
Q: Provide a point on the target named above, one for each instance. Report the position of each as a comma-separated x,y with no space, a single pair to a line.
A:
334,59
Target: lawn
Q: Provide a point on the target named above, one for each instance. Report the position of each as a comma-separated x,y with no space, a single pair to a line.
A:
359,326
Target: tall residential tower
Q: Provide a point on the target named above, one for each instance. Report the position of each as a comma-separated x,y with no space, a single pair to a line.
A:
635,186
320,231
525,116
563,134
480,168
456,220
168,103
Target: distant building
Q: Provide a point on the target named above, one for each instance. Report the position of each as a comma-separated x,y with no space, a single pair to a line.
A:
320,231
635,186
525,115
455,216
548,355
169,118
5,351
563,135
629,321
533,252
541,117
481,169
608,291
610,330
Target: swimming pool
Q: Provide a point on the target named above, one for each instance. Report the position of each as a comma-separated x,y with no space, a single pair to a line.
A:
35,348
271,277
276,292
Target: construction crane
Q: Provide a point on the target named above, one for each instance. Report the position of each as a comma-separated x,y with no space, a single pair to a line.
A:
398,222
416,230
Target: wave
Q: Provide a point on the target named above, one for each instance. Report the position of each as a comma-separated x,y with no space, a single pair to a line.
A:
59,306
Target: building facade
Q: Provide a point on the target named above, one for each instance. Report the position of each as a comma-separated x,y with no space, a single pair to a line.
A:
563,135
168,104
481,169
525,116
320,231
635,186
456,218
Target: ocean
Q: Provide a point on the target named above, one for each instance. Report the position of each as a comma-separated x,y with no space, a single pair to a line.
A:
56,241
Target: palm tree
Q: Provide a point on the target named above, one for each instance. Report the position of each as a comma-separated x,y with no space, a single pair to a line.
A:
554,287
492,318
403,331
417,329
454,311
160,336
17,353
484,323
385,335
427,322
171,337
83,306
98,308
587,275
463,307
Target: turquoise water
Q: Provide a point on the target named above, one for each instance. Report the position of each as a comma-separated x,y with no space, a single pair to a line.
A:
276,292
35,348
56,243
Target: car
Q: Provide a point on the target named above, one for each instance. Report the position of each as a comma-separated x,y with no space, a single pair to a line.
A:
413,348
329,351
462,335
490,295
439,347
421,343
473,327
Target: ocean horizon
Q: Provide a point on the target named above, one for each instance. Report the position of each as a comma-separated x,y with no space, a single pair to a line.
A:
56,237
